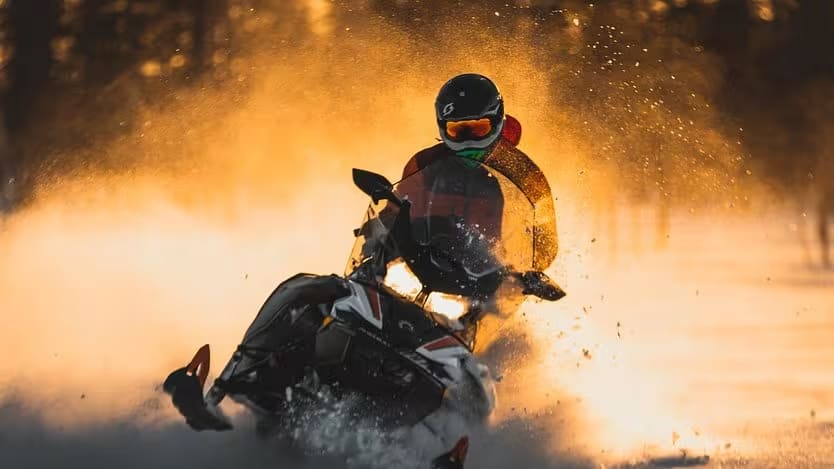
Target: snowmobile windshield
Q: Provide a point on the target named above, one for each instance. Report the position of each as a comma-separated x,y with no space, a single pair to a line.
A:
468,223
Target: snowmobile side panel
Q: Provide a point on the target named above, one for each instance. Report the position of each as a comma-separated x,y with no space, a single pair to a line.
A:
332,345
447,350
362,301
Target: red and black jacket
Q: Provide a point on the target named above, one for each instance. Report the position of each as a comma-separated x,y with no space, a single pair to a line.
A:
507,159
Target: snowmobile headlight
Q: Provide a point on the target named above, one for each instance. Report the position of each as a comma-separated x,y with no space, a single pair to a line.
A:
451,306
402,280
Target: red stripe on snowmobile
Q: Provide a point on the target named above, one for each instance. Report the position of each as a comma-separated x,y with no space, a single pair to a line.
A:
454,458
376,303
444,342
460,450
199,365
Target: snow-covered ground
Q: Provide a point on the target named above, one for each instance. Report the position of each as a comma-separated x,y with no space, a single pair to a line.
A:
720,342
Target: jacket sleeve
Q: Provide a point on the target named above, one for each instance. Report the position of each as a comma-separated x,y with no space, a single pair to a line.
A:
524,173
546,237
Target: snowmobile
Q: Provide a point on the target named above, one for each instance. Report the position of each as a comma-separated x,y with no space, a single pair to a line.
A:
399,327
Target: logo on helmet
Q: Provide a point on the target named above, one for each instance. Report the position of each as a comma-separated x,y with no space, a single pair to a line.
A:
448,109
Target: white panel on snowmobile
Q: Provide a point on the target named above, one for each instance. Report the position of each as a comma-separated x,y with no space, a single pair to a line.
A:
362,301
446,350
484,379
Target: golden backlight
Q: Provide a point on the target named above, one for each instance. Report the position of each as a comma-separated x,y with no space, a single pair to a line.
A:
110,280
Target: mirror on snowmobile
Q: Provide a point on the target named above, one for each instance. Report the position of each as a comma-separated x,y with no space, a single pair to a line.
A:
541,286
376,186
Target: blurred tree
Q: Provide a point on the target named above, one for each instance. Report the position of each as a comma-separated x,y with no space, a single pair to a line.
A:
32,25
207,33
825,205
5,46
6,173
613,63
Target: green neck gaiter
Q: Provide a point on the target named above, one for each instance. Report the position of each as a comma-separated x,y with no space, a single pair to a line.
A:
472,157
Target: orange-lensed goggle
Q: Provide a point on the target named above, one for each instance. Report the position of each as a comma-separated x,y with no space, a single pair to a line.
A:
469,129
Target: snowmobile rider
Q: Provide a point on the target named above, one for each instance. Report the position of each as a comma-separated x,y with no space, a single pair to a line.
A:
474,131
473,126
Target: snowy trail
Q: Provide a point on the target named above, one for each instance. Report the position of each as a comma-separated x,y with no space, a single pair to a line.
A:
725,332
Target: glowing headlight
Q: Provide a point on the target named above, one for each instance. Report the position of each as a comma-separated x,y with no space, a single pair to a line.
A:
402,280
451,306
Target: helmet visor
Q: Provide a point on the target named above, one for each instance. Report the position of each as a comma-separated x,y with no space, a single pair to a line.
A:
469,129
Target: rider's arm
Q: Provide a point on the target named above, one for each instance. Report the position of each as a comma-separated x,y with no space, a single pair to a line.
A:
546,236
545,239
523,172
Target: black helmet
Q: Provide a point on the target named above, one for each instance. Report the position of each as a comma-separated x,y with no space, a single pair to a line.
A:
470,112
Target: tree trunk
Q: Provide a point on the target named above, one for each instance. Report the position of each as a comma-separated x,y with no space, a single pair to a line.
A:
206,13
32,25
200,34
8,175
825,207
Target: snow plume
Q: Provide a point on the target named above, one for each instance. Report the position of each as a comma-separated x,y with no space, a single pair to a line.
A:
100,302
332,439
340,427
27,441
134,252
